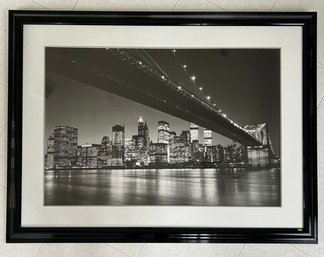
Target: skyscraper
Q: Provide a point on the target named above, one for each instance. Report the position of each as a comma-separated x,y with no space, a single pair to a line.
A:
158,153
118,141
143,132
180,151
65,146
163,132
89,154
197,151
146,136
131,152
105,153
118,135
194,132
208,137
164,136
140,126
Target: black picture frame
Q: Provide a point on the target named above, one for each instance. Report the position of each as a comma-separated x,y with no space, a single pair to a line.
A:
18,234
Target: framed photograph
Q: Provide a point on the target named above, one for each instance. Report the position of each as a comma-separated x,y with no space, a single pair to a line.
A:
162,127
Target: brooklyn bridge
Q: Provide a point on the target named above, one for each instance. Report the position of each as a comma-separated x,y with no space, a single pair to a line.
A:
156,79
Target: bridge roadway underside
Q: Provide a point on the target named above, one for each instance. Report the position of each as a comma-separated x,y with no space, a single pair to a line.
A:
102,69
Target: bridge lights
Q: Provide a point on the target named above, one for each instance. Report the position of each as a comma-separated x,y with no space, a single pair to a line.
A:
163,77
192,96
174,50
184,66
193,78
214,105
140,63
208,97
201,88
179,87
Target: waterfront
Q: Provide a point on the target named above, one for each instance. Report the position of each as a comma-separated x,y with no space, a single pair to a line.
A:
200,187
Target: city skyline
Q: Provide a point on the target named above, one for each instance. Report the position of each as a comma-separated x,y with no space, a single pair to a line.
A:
64,151
200,134
139,150
201,139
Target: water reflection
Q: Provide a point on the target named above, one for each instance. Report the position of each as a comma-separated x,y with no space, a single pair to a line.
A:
163,187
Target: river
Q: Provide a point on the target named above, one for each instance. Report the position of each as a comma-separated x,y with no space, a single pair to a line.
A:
199,187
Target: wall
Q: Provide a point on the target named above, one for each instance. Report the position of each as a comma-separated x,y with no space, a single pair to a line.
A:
169,250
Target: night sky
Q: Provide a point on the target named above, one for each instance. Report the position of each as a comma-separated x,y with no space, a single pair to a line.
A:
244,83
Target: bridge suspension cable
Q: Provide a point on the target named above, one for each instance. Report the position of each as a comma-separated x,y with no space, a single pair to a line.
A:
192,78
158,66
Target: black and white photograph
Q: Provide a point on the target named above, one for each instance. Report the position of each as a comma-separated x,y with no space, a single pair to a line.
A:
178,127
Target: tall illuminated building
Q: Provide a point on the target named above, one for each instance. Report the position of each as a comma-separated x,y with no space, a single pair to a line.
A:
146,136
208,137
62,147
105,153
158,153
180,151
164,136
118,135
131,153
89,154
194,132
163,132
118,143
143,132
140,126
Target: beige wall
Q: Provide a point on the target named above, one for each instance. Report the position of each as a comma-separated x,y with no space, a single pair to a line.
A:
168,250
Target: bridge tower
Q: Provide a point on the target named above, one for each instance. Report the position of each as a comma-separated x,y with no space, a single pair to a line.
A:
259,156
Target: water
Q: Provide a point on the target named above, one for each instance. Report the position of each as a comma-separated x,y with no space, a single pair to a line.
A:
163,187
